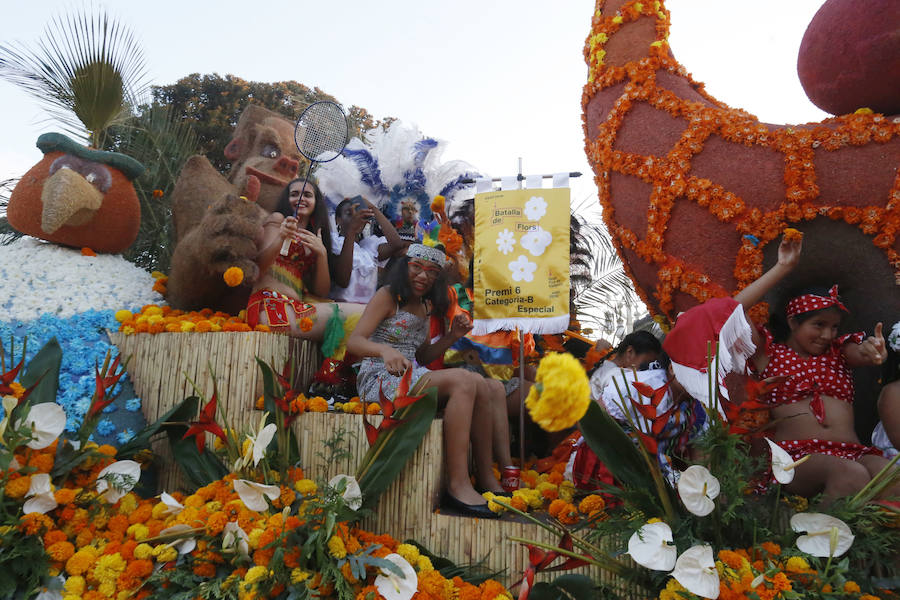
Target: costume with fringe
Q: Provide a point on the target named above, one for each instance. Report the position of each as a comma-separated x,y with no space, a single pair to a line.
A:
288,270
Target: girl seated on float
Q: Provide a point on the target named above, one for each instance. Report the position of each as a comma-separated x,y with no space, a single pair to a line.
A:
277,299
812,411
392,335
886,436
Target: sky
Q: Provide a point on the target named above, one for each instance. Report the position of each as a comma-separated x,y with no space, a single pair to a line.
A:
498,80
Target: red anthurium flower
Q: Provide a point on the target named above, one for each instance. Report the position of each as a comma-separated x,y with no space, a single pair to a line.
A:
205,423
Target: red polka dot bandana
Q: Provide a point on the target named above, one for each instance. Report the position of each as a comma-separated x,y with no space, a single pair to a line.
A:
808,302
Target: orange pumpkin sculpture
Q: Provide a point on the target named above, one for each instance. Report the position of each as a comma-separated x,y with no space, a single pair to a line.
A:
694,192
78,197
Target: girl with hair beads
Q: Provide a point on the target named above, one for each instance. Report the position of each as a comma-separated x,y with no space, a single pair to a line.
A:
812,411
392,335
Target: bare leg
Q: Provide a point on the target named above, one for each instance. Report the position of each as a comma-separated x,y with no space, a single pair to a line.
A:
490,432
835,477
459,388
324,311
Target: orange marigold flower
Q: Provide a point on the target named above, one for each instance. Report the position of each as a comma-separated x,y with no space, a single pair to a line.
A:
851,587
17,487
771,548
316,404
555,507
792,235
592,503
233,276
61,551
35,524
306,324
81,561
204,569
732,559
87,252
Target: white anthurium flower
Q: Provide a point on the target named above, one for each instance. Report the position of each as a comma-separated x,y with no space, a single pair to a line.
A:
52,589
394,587
825,535
184,545
696,571
651,546
697,488
46,421
352,493
173,506
783,464
9,403
261,440
40,495
253,494
118,479
235,539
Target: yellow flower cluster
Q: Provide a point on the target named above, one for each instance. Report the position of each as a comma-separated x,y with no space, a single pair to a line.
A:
561,393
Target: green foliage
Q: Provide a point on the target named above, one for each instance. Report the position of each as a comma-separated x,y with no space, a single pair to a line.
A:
201,468
43,369
568,587
393,448
212,104
23,563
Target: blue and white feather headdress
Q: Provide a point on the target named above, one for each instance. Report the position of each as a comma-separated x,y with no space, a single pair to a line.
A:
396,165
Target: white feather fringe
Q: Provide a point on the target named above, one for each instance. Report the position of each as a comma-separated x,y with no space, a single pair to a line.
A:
537,325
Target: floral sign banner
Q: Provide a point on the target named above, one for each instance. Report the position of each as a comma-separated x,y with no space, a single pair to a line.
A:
521,278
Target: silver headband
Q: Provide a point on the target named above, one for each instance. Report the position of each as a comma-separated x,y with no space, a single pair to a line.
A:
423,252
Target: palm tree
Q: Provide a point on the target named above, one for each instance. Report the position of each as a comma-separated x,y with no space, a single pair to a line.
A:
87,71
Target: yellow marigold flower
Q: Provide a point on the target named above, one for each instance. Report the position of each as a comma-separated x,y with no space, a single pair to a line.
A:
792,235
233,276
143,551
81,561
339,407
617,19
409,553
869,597
18,487
254,536
423,565
255,573
108,568
566,490
336,547
152,309
107,589
165,553
194,501
493,506
123,315
864,111
306,487
74,585
138,532
561,393
851,587
298,575
187,326
797,564
71,597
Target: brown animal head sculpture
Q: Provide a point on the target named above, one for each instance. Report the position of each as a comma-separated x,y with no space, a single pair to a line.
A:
263,149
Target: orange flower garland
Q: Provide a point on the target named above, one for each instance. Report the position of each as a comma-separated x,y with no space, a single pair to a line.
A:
670,178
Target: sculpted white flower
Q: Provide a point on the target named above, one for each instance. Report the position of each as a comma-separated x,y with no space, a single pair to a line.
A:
535,208
522,269
261,440
352,493
40,495
252,494
235,539
184,545
117,479
394,587
536,240
697,488
46,420
9,403
782,464
651,546
505,241
173,506
696,571
825,535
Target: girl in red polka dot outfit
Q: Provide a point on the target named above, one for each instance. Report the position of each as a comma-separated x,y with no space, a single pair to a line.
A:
813,408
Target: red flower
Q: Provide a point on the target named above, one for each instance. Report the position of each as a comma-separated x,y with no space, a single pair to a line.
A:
401,400
206,423
103,383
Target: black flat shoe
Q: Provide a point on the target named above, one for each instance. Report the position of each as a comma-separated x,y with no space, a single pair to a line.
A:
480,511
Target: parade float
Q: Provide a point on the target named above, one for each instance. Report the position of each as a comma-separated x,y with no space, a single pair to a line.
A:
258,490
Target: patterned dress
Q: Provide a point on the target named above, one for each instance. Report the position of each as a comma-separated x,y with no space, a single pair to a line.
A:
404,332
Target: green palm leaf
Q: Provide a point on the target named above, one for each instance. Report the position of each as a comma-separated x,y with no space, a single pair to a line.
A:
88,70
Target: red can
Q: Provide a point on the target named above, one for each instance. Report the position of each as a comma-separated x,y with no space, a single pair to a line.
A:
509,478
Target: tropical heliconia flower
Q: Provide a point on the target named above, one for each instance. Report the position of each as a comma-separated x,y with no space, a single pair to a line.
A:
697,488
117,479
173,506
783,464
235,539
40,495
184,545
352,493
46,420
696,571
651,546
394,587
825,535
252,494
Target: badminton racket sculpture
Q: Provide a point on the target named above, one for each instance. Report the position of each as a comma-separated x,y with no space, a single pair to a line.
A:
320,135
